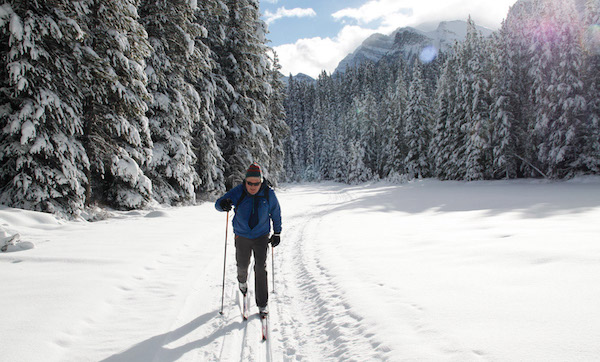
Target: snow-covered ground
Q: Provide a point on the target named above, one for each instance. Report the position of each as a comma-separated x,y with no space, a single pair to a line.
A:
428,271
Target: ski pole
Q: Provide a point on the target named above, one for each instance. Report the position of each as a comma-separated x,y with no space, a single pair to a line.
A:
224,265
273,266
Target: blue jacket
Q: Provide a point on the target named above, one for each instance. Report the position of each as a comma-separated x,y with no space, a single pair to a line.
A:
267,210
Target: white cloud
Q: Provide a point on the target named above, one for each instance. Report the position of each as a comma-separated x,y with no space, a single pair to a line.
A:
373,10
395,13
288,13
311,56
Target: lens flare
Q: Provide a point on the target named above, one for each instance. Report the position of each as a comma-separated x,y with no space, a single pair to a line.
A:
428,54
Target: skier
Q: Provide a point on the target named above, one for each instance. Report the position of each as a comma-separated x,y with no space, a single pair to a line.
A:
255,207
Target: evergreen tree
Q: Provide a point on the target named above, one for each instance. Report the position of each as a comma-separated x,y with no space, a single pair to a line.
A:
276,121
173,70
307,139
42,161
591,152
294,121
477,104
215,93
522,104
507,131
417,127
447,133
394,146
319,131
522,20
558,89
324,126
356,171
116,131
369,131
244,63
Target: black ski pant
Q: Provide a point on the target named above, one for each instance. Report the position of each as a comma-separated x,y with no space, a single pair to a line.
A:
244,248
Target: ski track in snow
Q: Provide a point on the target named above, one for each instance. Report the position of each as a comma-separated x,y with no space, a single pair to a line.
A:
311,302
338,332
314,303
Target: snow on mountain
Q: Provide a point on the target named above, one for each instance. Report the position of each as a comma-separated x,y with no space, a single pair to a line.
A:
300,77
408,41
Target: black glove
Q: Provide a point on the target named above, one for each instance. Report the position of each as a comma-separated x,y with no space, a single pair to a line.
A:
225,204
275,240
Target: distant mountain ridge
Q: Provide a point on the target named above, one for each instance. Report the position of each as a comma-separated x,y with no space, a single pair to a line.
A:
300,77
408,41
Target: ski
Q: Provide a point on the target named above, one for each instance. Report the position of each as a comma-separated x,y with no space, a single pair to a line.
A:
264,321
245,306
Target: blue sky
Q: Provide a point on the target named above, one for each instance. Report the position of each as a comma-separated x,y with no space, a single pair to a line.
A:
314,35
289,29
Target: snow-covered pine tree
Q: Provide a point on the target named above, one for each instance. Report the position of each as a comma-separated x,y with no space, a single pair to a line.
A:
558,88
116,133
244,63
356,121
369,129
175,67
326,123
294,151
307,138
339,163
591,151
356,171
440,134
507,131
447,133
417,127
287,144
276,122
42,162
521,21
477,104
342,126
461,109
319,131
384,77
215,93
394,145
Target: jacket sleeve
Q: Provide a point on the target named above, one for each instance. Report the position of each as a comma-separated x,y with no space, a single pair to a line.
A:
275,212
233,194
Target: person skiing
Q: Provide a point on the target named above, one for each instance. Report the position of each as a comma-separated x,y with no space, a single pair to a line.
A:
256,205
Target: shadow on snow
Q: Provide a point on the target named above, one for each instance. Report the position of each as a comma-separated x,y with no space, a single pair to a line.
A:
155,346
530,198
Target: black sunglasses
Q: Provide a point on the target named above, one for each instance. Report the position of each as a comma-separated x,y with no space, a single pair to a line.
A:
253,183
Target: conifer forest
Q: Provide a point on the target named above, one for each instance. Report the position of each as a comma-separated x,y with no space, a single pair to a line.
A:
120,103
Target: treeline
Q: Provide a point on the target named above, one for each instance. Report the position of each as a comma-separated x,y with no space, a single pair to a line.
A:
120,102
522,103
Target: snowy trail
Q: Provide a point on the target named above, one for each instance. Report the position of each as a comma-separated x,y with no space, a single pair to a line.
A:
316,303
431,271
312,302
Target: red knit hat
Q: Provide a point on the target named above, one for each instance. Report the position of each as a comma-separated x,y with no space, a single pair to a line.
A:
254,171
